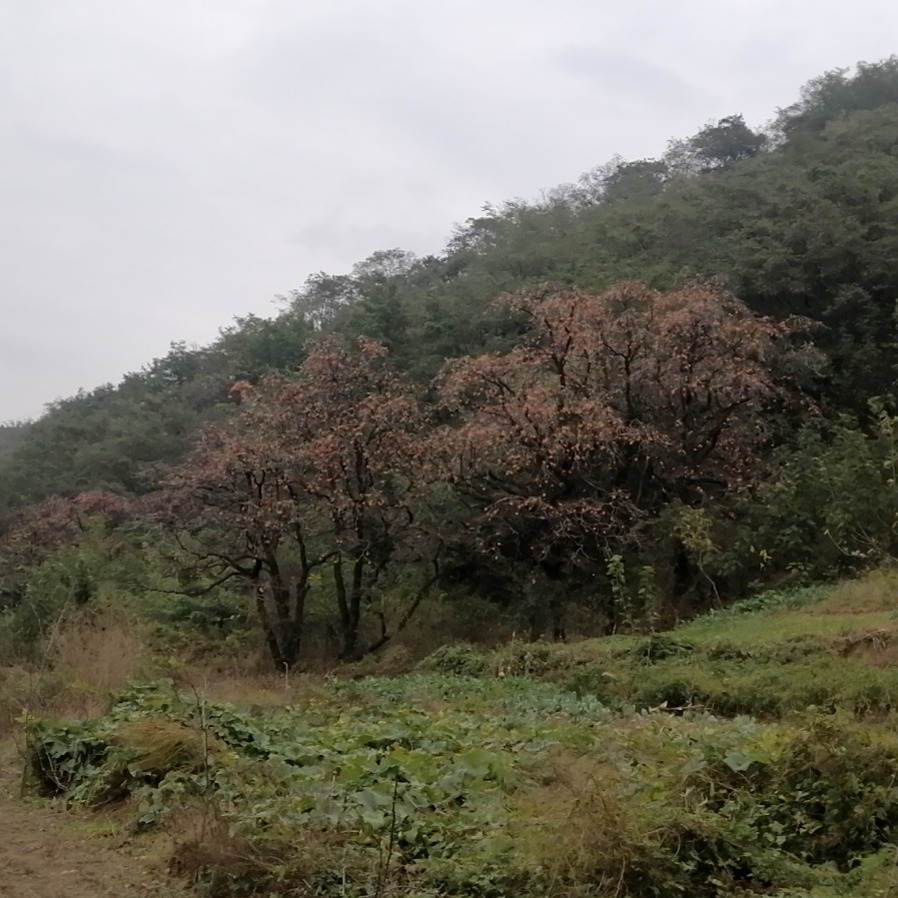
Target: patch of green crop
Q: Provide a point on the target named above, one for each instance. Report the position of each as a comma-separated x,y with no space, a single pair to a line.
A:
382,769
517,697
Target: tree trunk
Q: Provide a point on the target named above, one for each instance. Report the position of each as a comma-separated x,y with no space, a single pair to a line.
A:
349,606
284,628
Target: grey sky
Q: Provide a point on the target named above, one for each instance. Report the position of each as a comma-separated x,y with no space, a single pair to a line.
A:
170,164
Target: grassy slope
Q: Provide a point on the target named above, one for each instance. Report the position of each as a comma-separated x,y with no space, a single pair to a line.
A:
751,751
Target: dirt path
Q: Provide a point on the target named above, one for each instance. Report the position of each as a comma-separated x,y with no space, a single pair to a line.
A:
47,852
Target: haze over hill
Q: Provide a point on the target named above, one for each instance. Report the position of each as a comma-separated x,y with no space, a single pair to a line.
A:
648,391
167,167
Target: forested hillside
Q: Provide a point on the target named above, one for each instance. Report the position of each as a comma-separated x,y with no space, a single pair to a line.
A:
638,397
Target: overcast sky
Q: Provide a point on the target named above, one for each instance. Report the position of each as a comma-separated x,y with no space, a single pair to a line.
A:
168,165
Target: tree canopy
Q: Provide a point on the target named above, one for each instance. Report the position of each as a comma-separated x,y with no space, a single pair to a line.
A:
558,392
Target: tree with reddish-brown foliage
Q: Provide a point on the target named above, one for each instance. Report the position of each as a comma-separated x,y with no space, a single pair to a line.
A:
614,406
310,485
57,527
36,530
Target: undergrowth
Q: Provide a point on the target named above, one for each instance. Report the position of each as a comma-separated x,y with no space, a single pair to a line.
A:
750,752
428,785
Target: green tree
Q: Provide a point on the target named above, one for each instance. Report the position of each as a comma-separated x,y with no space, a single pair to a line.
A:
716,146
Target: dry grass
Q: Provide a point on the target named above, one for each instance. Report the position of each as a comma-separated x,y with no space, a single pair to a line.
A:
250,691
23,692
208,850
260,691
576,821
88,658
204,841
103,651
582,826
391,661
875,591
876,647
158,746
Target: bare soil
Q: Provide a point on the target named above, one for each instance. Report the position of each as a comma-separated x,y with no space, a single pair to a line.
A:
47,851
